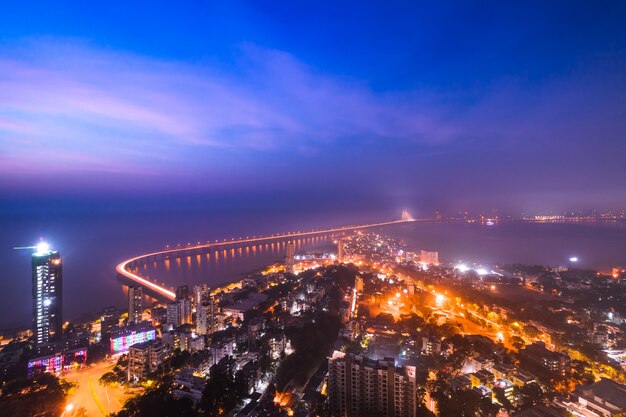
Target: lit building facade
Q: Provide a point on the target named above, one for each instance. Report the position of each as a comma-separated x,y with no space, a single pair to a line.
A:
205,317
429,257
200,294
135,304
47,295
359,386
123,337
290,257
179,312
144,359
57,361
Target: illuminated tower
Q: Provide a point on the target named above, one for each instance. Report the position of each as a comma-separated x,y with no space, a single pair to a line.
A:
290,257
340,250
135,304
47,295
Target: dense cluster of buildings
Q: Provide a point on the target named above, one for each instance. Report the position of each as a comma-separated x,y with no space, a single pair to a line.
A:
360,386
381,349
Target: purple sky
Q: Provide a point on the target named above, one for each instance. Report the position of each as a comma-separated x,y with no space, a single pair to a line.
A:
496,116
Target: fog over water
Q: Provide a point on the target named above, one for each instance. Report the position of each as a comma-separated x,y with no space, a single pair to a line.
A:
91,246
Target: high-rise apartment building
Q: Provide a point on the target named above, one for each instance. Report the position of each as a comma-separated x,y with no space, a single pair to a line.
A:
173,314
200,294
144,359
290,257
185,311
47,295
179,312
135,304
205,317
429,257
182,292
358,386
340,250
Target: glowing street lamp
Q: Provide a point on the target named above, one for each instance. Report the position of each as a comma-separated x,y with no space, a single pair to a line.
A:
439,299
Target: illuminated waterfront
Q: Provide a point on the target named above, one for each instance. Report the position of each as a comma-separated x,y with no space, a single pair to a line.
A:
92,246
235,246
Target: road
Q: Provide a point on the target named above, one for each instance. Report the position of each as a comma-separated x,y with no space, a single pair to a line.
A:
122,266
97,400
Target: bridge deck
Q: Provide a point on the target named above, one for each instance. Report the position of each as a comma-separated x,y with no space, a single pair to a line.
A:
123,267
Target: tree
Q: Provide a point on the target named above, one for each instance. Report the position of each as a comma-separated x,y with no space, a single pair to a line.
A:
180,358
311,344
42,395
420,401
157,402
96,353
530,395
517,342
221,393
109,378
462,403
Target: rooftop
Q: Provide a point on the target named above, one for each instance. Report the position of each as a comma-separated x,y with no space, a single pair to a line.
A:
607,390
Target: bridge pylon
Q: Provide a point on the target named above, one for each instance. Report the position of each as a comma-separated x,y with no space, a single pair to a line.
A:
406,216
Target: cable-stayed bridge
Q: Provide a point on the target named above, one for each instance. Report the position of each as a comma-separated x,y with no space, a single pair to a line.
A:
125,268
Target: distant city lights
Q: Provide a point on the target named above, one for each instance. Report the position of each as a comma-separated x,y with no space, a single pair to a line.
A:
462,268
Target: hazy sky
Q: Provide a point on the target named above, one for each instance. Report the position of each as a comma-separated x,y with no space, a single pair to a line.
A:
428,106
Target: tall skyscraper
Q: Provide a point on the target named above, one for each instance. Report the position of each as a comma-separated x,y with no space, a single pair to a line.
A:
359,386
135,304
200,294
290,257
47,295
173,314
179,312
185,311
340,250
205,317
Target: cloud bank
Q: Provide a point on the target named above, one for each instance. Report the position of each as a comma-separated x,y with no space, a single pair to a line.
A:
70,106
93,114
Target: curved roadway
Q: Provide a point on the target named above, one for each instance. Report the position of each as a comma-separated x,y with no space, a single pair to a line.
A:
121,268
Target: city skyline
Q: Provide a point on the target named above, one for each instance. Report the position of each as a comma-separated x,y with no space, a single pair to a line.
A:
47,291
443,108
323,209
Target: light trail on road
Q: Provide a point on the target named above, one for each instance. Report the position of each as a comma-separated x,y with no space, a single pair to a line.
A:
122,267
